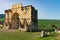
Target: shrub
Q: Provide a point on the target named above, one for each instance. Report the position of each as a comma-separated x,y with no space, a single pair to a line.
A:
1,26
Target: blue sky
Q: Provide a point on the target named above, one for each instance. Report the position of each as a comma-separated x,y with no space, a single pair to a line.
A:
47,9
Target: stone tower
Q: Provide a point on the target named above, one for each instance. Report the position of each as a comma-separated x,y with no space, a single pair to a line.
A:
21,17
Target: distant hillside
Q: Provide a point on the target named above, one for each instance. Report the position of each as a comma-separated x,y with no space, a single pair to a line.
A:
1,15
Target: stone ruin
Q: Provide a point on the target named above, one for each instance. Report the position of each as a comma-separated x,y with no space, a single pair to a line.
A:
21,17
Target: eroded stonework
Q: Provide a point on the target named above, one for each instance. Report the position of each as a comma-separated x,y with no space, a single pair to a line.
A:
21,17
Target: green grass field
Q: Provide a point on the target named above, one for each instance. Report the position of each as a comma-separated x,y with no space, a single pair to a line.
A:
18,35
49,22
46,23
1,19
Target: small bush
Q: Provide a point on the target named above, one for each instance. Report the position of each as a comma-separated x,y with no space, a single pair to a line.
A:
1,26
48,28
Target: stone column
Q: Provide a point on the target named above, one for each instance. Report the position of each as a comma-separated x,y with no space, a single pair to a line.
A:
42,33
9,20
19,23
10,16
25,27
6,19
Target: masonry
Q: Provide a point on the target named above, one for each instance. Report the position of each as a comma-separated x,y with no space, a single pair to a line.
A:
21,17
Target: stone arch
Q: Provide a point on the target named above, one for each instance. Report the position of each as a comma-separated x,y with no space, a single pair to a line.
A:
15,21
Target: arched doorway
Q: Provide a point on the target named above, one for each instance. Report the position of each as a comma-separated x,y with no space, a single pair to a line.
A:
15,21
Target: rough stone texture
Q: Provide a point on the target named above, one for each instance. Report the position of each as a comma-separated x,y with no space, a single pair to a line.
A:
21,17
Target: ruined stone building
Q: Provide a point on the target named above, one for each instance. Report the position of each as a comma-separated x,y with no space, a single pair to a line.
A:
21,17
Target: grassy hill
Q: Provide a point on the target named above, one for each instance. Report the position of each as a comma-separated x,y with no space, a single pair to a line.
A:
1,15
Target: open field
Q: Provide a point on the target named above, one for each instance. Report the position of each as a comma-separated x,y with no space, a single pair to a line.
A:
46,23
49,22
18,35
